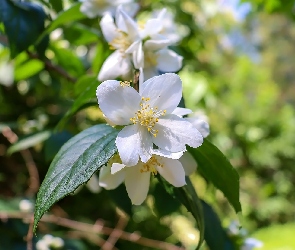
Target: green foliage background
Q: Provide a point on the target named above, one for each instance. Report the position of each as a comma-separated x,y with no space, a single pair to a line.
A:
239,72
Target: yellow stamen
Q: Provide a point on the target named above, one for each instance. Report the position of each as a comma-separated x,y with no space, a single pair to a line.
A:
150,166
121,42
125,84
147,116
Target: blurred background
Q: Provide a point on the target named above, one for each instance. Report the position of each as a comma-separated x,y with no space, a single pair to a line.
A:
238,70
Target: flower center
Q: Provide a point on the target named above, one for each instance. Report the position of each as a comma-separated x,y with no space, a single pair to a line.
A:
150,59
150,166
121,42
147,116
125,84
101,3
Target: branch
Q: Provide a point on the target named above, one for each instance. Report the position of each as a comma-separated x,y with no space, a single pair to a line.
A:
96,228
51,67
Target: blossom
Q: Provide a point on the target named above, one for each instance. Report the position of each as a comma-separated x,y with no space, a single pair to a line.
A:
147,117
168,26
163,60
123,37
93,8
251,243
137,178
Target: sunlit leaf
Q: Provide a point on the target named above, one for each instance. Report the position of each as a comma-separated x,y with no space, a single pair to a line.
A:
74,165
28,69
29,141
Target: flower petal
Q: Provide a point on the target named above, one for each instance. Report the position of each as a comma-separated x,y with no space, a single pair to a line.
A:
108,180
146,144
128,143
200,125
108,27
167,154
157,44
116,167
181,111
175,132
149,72
115,65
172,171
93,184
164,91
118,103
137,184
188,162
127,24
168,60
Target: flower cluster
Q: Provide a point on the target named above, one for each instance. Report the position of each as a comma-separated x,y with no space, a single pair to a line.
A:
49,242
154,136
140,45
154,133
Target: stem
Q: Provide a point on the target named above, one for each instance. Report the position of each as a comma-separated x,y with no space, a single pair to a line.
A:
136,80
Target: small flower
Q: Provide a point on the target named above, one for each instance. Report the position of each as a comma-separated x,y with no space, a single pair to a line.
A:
26,206
137,178
148,117
163,60
93,8
124,38
251,243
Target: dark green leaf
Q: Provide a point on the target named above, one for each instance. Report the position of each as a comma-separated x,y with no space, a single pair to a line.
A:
188,197
215,236
24,22
54,143
29,141
74,165
214,166
90,84
80,34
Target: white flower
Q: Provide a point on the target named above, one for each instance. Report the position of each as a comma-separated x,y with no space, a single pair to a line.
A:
93,184
26,206
160,61
42,245
251,243
93,8
124,38
148,116
57,242
137,178
168,26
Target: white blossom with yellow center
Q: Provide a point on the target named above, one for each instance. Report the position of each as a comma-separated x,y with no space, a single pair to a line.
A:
147,117
137,178
124,38
93,8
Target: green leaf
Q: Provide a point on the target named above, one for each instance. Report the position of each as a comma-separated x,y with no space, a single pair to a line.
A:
28,69
23,22
214,166
90,84
68,60
74,164
54,143
215,236
80,34
29,141
188,197
67,16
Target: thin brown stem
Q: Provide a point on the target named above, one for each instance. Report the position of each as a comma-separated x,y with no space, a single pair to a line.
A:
96,228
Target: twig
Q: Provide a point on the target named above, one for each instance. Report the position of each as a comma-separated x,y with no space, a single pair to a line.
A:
50,66
29,161
30,235
115,234
98,229
136,80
